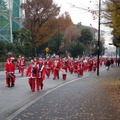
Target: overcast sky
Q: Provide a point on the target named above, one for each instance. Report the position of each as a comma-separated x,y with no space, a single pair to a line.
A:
79,15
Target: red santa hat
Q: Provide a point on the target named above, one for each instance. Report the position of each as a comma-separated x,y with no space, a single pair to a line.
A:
57,56
12,58
32,61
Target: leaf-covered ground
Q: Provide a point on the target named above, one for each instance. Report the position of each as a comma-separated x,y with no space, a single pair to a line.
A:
112,87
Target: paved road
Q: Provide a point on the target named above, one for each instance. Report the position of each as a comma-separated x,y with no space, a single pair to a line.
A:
14,101
80,99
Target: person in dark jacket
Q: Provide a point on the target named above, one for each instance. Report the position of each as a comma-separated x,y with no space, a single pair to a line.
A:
108,63
118,61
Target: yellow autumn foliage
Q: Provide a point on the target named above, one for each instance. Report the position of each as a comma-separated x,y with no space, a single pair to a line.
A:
114,9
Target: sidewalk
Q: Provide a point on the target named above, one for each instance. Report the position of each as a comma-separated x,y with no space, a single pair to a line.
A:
110,80
19,96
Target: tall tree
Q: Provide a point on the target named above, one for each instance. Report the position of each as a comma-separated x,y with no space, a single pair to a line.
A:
55,43
23,42
22,36
72,33
75,49
40,18
114,16
2,48
86,36
64,21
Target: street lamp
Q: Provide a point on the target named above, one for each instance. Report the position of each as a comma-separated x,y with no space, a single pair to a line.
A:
98,45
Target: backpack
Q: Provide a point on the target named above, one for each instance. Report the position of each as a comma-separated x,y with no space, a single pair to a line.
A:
34,70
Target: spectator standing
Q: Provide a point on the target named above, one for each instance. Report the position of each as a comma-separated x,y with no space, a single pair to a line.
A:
118,61
22,66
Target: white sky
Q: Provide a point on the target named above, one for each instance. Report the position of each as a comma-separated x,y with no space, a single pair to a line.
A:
83,16
79,15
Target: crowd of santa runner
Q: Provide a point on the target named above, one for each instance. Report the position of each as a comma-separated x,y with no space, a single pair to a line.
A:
40,69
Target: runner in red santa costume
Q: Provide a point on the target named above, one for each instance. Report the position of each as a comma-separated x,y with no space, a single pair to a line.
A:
101,61
48,64
116,61
52,64
7,69
64,68
56,67
94,65
18,63
41,75
64,64
70,65
32,73
75,64
90,64
10,72
22,66
85,65
80,68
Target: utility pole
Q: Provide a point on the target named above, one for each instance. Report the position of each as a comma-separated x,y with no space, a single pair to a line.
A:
98,47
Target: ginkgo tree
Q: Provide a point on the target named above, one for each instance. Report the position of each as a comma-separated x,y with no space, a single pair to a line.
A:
64,21
114,15
58,26
40,19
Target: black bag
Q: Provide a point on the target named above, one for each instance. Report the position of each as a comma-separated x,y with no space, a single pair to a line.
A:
40,66
34,70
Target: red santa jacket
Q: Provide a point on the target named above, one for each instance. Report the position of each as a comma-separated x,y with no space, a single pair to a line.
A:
56,64
32,71
41,71
18,61
64,65
22,63
10,67
48,64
